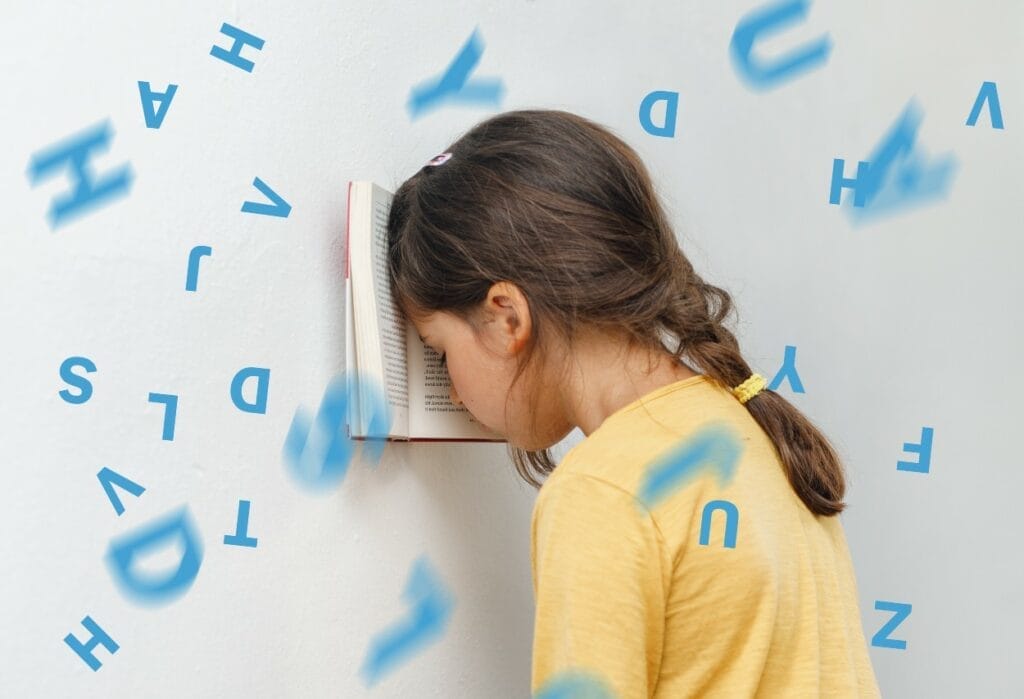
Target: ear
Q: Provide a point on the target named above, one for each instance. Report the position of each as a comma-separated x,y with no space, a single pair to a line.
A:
506,305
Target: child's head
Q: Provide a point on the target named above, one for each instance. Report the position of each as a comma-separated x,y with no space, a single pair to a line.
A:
541,231
482,355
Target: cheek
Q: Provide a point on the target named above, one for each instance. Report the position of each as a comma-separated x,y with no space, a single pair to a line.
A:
474,388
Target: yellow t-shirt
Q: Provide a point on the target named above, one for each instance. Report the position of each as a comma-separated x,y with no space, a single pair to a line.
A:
632,593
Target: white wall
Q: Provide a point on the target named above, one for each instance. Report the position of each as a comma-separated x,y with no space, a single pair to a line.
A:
905,322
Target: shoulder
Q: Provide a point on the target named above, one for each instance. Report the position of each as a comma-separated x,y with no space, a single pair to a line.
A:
585,503
576,484
591,530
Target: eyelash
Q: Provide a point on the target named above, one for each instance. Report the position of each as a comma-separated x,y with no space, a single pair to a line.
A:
444,362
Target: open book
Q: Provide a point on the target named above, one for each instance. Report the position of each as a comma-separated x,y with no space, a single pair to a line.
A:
383,348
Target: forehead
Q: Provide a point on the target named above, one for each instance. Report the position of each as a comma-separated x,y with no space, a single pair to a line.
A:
426,322
414,314
435,324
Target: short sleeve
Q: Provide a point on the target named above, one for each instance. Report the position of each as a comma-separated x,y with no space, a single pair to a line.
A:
598,586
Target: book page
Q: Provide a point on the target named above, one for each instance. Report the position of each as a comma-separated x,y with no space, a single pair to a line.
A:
390,321
379,330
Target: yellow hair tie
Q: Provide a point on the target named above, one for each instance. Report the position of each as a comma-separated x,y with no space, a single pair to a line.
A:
749,388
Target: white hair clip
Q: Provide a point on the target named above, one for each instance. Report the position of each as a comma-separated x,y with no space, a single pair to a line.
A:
439,159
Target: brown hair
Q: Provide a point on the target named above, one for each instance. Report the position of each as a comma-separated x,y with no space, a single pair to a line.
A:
563,208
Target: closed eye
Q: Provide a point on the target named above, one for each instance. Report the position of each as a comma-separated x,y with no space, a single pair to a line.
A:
444,362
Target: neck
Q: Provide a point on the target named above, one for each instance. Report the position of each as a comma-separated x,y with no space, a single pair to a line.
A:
606,375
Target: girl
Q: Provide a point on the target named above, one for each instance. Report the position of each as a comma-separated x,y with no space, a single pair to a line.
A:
534,256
